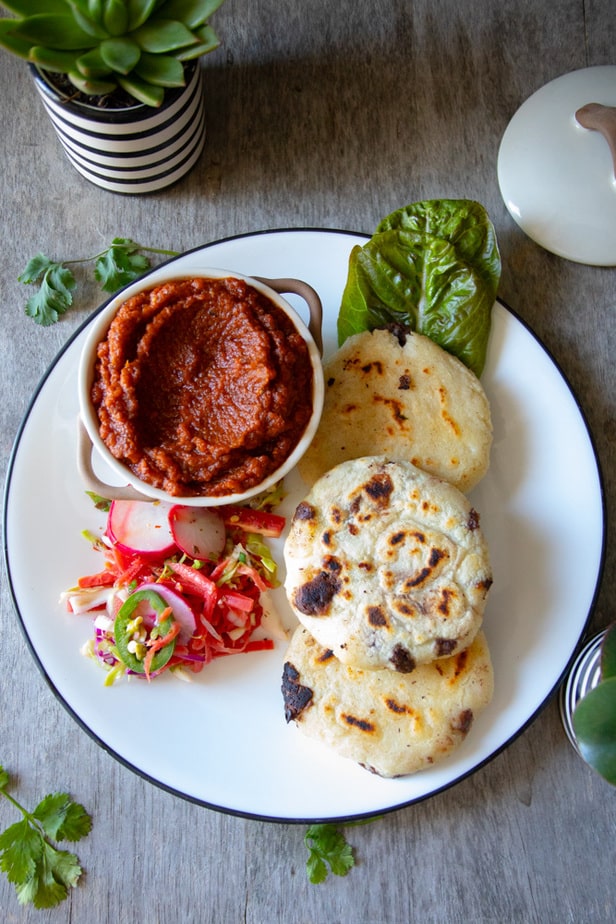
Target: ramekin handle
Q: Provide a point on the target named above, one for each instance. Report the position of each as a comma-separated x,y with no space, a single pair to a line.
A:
310,296
90,479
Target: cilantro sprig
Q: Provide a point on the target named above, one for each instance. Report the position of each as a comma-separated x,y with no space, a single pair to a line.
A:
327,847
42,873
116,266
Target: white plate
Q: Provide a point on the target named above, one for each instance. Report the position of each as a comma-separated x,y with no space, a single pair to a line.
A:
222,740
556,177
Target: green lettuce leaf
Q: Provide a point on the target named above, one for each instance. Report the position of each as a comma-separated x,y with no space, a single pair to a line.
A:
463,223
433,267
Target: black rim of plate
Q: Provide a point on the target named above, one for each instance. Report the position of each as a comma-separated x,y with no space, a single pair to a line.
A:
224,809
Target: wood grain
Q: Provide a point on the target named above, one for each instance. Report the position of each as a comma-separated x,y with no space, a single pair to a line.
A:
323,115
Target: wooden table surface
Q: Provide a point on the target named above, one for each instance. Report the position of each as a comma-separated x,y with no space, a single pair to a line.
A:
323,115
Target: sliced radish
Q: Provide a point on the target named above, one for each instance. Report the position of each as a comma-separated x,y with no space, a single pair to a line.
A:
141,527
198,531
182,613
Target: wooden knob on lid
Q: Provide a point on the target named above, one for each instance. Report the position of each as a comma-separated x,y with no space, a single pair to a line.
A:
601,119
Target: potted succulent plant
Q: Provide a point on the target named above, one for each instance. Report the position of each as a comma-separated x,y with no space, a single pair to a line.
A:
120,80
588,704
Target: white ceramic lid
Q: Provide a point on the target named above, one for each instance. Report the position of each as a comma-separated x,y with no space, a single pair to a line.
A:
557,177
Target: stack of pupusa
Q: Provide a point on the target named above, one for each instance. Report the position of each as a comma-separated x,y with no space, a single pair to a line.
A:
387,567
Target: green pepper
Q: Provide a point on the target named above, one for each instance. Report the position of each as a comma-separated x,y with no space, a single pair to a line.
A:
124,628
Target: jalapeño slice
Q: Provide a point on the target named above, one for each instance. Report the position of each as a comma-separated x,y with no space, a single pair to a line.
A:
124,630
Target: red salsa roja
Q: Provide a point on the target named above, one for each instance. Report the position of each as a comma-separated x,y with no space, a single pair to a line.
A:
203,387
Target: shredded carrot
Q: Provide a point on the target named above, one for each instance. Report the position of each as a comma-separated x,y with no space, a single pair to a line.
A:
155,644
103,579
265,644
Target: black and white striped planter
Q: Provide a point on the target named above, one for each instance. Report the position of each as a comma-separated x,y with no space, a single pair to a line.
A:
583,677
133,150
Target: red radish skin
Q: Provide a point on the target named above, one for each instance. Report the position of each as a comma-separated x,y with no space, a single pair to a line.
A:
141,528
198,531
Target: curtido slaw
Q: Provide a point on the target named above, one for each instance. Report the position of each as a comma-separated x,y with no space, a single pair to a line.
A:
179,587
